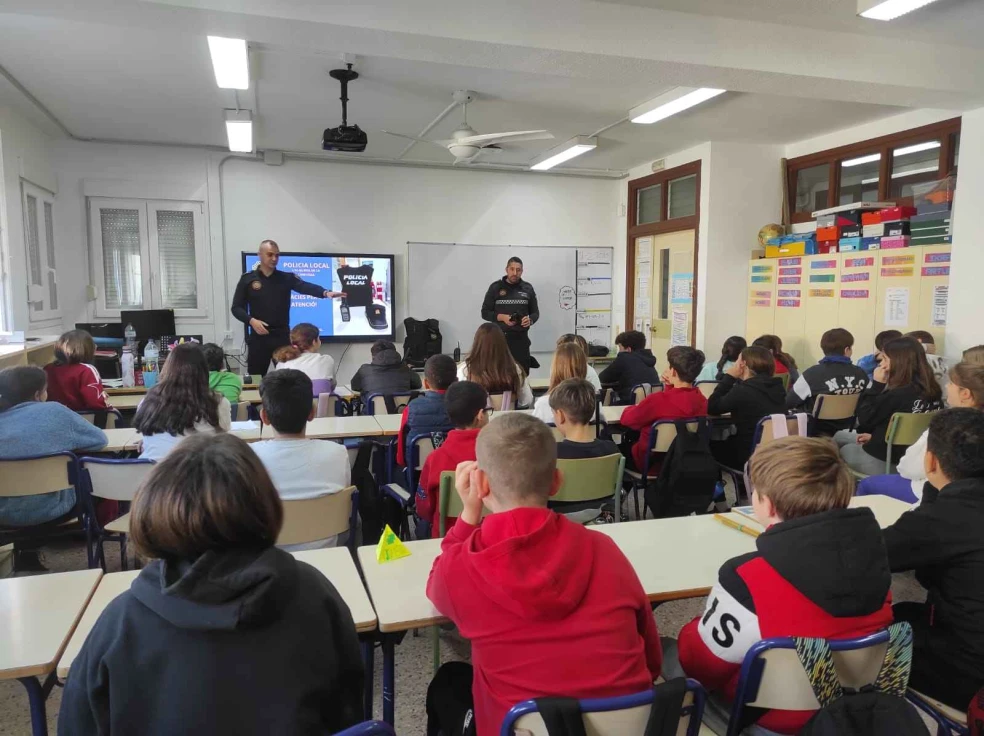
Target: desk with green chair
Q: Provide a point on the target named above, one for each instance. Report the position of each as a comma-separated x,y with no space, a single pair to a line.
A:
904,429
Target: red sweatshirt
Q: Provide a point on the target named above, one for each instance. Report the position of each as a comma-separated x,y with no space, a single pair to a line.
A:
77,386
551,609
458,447
670,403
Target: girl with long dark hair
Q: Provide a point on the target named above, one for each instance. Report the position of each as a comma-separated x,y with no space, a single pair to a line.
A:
492,366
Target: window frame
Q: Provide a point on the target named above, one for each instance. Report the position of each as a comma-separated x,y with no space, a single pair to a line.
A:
885,145
43,197
149,253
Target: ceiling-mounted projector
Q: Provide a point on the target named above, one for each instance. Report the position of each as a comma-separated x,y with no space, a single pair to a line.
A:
346,138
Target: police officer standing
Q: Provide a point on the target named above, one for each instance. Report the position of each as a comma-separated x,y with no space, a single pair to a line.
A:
511,302
262,301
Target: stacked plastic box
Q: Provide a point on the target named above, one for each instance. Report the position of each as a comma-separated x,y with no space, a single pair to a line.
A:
931,223
895,227
797,244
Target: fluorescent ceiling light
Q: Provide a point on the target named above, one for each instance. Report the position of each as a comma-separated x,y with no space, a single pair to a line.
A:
861,160
927,170
239,129
888,9
927,146
564,152
230,61
670,103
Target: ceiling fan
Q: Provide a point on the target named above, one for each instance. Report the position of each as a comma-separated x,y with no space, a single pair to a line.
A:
466,144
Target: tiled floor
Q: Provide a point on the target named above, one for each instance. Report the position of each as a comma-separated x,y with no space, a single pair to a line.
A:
413,656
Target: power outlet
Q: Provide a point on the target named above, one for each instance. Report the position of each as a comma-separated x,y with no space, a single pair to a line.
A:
227,337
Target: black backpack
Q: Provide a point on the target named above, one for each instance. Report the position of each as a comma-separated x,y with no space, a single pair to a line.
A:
423,340
879,709
688,476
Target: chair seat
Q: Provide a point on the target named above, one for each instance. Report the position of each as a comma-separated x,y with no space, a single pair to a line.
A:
952,714
120,525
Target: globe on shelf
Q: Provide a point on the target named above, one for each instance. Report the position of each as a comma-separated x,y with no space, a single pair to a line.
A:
770,231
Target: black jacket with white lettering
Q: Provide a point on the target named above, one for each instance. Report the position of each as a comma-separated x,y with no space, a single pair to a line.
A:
834,374
505,298
823,575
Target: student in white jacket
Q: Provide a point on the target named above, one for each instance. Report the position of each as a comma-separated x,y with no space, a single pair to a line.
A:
591,375
304,354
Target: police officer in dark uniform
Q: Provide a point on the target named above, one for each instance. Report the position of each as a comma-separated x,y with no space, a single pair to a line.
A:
511,302
262,301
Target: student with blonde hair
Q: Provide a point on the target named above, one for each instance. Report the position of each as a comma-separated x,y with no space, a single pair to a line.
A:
221,632
492,366
569,361
591,375
72,379
304,353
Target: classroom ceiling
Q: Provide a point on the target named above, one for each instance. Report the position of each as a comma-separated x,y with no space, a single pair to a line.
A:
139,70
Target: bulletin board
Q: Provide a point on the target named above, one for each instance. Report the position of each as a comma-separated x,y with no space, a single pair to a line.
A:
790,319
822,302
857,291
761,314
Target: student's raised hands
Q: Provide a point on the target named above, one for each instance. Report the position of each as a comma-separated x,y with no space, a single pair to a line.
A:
466,483
737,371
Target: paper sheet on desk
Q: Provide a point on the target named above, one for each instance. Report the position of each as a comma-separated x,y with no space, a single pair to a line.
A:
243,426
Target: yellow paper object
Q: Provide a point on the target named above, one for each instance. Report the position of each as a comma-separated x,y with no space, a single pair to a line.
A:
390,547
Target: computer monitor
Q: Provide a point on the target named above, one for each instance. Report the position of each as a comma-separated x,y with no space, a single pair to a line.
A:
108,330
149,324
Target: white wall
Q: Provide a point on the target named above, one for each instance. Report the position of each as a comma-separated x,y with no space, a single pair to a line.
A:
24,156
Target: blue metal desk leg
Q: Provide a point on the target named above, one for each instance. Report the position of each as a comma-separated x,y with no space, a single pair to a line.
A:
368,660
389,679
36,697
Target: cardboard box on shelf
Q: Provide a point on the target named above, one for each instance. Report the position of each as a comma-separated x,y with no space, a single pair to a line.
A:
894,228
870,243
931,240
871,218
827,246
899,241
845,245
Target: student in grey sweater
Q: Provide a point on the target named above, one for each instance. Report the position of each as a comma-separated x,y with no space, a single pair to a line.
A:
30,426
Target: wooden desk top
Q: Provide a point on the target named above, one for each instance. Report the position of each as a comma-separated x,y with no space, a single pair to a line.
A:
397,588
37,616
337,565
389,424
132,400
612,414
110,586
886,509
342,427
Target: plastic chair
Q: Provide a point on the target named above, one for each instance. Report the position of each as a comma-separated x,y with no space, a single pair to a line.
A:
948,720
240,411
368,728
618,716
772,677
835,407
501,402
104,418
115,480
797,425
661,436
643,390
419,447
311,519
784,377
904,430
706,387
34,475
377,404
592,479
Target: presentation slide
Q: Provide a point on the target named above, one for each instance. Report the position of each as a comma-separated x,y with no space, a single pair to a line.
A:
365,314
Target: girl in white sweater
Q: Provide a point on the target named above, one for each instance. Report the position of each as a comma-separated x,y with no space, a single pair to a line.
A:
304,354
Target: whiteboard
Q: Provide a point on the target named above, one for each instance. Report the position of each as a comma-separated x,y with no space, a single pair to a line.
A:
448,281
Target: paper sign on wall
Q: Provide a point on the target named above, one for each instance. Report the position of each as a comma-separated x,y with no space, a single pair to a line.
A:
679,334
897,306
594,255
644,249
680,288
941,298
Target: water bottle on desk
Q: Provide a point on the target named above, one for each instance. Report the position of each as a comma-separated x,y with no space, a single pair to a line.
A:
151,359
130,338
127,364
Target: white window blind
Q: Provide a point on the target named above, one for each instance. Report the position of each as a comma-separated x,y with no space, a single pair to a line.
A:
121,259
39,239
176,248
49,226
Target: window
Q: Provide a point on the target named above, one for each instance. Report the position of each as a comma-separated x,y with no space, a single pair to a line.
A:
39,239
683,197
880,169
648,204
148,255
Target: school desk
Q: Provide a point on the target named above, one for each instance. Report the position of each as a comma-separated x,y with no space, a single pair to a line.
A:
125,402
37,617
120,440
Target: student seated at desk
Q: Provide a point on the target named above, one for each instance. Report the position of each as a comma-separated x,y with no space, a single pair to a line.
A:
820,570
569,361
304,353
72,379
634,365
298,467
591,375
729,355
834,374
427,413
573,404
387,374
492,366
221,633
467,405
869,362
903,382
31,426
551,608
748,392
220,380
180,404
941,540
785,363
936,362
679,399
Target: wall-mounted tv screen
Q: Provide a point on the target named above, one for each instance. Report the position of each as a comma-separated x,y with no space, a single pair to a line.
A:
365,314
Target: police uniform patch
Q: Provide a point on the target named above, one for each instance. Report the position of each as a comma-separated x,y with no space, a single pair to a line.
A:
502,292
255,285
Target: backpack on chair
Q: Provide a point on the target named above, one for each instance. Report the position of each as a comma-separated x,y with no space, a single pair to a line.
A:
879,709
689,474
423,340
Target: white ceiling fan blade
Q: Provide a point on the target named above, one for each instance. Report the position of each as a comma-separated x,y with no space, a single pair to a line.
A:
413,138
515,136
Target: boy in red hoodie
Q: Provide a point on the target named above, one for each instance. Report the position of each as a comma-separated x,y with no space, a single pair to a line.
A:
679,399
551,607
466,403
72,379
820,570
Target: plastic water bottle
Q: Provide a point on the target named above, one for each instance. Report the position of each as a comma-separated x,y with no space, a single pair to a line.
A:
151,358
130,338
127,363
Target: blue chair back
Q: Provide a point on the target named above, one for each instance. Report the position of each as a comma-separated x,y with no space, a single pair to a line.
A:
119,486
368,728
417,450
373,403
665,441
32,474
693,708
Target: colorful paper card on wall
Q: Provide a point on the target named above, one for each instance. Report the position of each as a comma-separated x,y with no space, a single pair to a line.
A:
760,303
821,293
761,269
788,303
936,271
896,273
821,265
822,278
789,293
790,261
789,279
790,271
854,293
848,278
937,258
762,294
858,262
898,260
761,279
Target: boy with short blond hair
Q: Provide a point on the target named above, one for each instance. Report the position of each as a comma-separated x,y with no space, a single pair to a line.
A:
525,584
820,570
